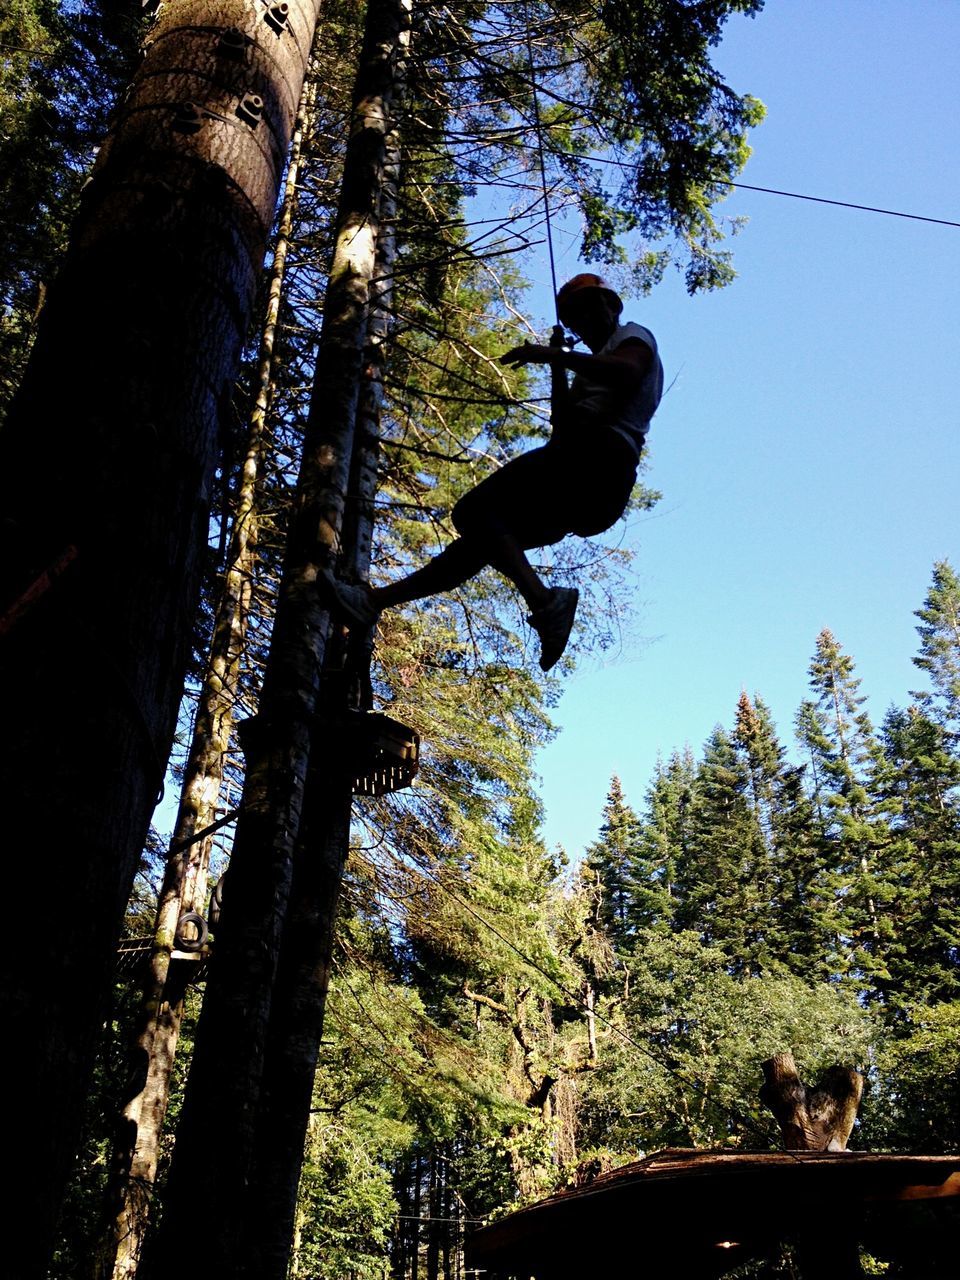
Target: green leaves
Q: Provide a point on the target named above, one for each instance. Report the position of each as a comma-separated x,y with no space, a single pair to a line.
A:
939,656
60,66
699,1034
678,131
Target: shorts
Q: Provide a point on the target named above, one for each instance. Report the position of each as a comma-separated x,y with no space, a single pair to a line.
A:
580,483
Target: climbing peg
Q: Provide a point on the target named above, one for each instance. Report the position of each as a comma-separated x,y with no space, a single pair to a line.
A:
187,117
231,43
277,16
250,109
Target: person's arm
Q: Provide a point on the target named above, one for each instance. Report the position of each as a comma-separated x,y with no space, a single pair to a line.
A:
622,370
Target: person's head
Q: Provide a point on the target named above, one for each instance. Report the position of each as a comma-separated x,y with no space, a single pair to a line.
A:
589,307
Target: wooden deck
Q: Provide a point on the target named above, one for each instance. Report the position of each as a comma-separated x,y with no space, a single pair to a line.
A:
684,1213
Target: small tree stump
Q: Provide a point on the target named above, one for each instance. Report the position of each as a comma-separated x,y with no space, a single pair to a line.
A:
817,1119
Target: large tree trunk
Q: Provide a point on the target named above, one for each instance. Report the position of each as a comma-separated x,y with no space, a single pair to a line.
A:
215,1141
811,1119
107,456
299,996
296,1019
185,880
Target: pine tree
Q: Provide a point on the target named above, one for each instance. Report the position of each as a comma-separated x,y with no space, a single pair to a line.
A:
745,873
614,858
925,968
665,841
858,850
783,815
724,881
939,656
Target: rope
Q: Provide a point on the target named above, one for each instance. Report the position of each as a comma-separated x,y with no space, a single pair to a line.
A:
538,127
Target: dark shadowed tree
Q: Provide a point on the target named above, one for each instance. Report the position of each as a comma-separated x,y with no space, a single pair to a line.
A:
62,67
107,457
185,881
288,737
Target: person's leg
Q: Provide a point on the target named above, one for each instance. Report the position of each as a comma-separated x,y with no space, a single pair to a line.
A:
497,520
507,556
552,609
450,569
533,524
454,566
459,562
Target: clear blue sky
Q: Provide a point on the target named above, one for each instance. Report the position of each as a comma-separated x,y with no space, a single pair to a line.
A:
808,452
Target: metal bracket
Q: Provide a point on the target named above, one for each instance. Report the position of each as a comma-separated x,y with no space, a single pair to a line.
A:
278,16
250,109
187,117
231,43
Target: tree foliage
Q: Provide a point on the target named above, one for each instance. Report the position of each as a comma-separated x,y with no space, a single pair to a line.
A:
61,67
496,1019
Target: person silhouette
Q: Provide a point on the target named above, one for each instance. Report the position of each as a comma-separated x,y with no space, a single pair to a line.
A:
579,482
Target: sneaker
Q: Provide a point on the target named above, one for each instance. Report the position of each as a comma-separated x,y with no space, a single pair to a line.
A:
352,600
553,622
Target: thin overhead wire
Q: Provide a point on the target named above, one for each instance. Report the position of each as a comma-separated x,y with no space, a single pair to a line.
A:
772,191
538,126
841,204
22,48
484,58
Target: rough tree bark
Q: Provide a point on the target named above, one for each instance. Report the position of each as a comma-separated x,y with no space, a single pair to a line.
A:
185,880
215,1141
108,452
303,972
817,1119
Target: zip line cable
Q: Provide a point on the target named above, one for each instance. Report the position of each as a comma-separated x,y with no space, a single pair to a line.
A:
841,204
792,195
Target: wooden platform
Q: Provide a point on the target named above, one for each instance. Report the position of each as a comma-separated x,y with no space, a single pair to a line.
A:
133,959
684,1213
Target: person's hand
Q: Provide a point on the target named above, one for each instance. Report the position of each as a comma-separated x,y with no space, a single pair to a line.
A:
530,353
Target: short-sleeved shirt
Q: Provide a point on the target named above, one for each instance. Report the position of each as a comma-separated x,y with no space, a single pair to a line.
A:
592,400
